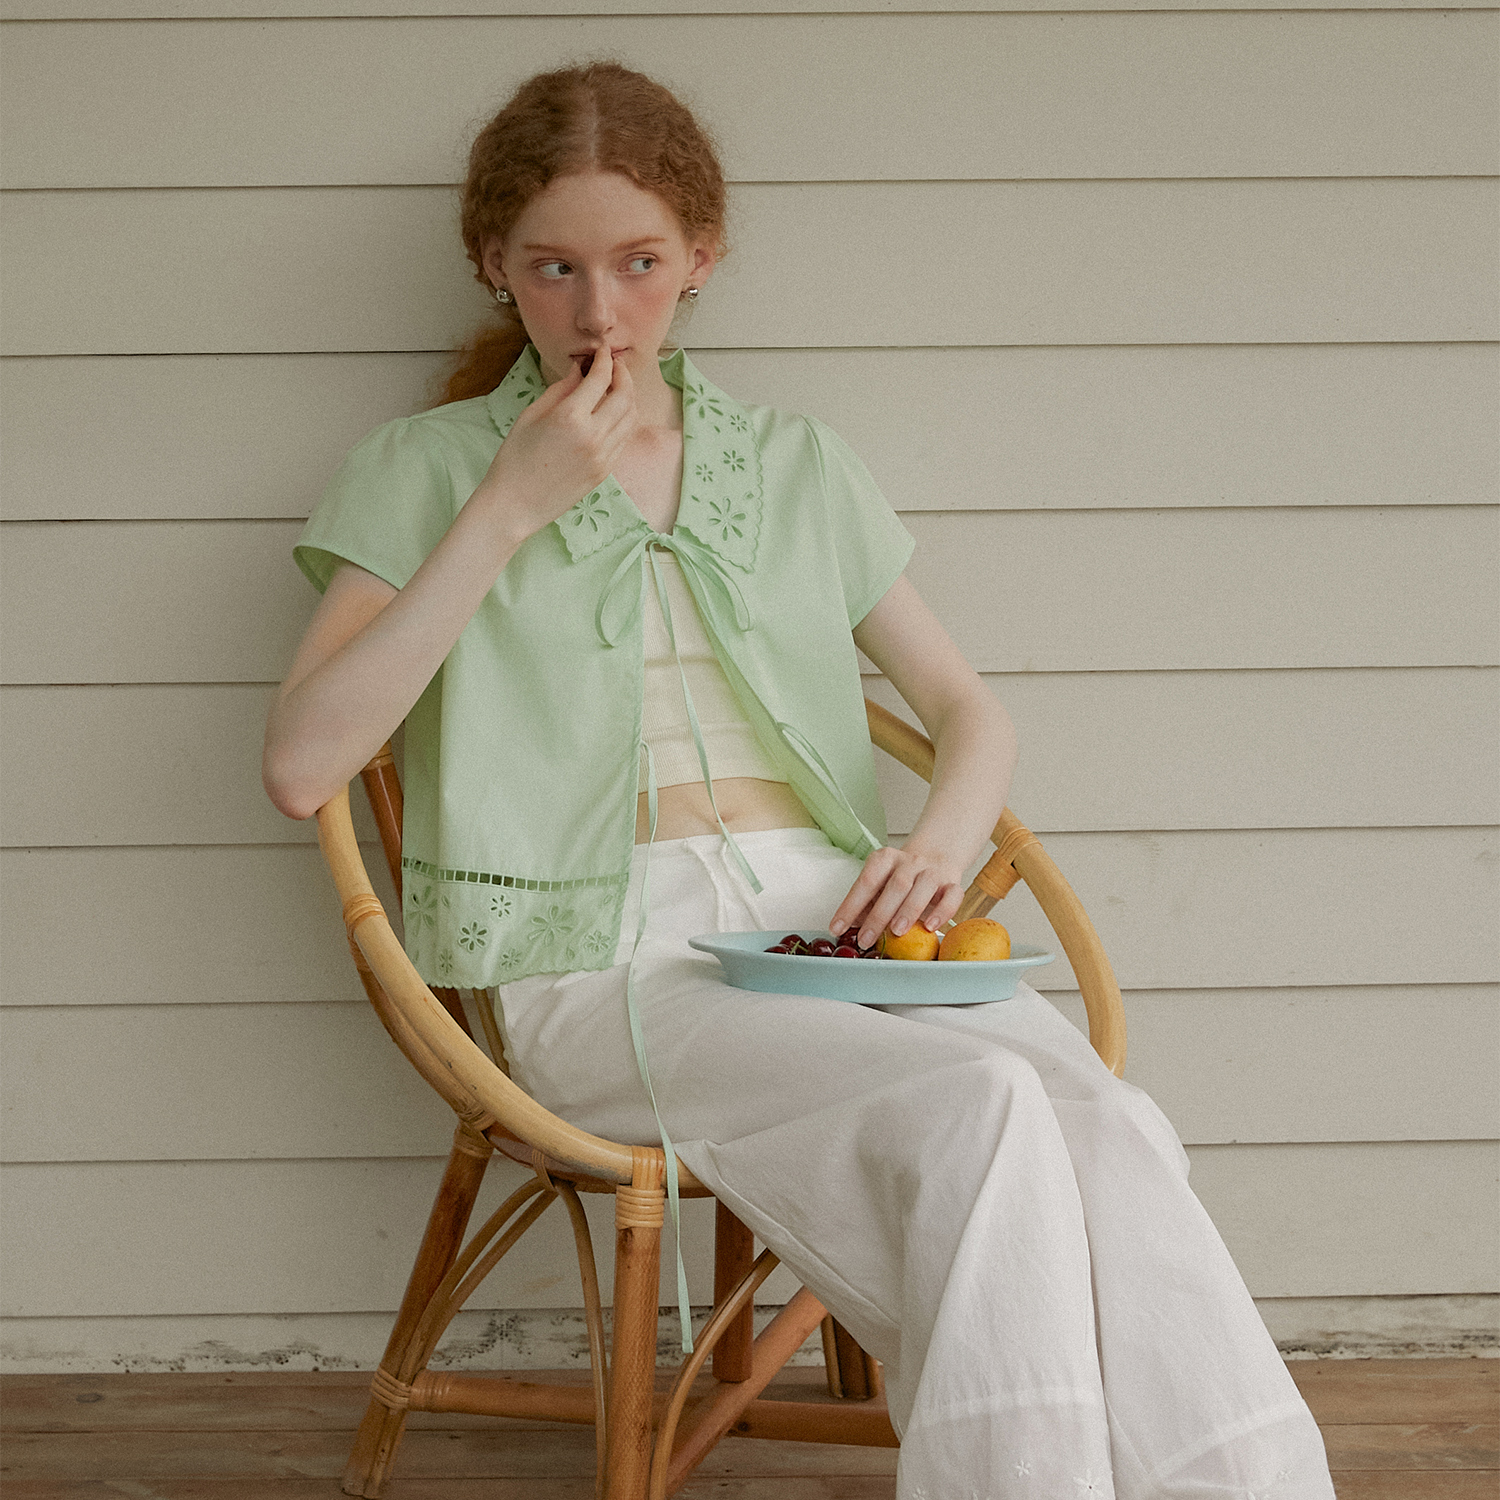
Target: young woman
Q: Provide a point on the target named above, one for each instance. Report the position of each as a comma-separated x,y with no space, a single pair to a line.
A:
617,610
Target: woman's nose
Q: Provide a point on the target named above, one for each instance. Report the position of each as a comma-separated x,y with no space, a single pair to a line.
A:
596,307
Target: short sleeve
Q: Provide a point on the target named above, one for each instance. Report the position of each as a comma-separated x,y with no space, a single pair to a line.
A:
385,509
871,545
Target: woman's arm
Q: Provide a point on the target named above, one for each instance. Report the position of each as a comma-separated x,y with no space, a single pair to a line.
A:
976,755
370,650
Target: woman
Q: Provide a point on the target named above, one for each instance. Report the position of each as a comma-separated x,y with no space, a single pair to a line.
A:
618,611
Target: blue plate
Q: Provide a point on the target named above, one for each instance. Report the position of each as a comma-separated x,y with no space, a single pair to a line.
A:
748,966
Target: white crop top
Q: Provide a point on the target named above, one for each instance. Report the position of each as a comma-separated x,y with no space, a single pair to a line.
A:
732,747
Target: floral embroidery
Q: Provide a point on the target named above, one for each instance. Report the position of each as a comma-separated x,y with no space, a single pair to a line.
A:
509,960
734,461
724,518
597,941
1087,1484
473,936
421,908
705,473
1023,1468
445,962
447,902
555,922
739,423
500,906
593,510
703,406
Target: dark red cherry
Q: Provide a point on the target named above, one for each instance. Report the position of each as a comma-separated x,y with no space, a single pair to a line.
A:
822,947
792,940
845,951
779,948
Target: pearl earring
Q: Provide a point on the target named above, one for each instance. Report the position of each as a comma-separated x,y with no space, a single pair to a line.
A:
503,297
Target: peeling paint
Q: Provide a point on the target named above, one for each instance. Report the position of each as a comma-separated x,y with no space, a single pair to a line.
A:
557,1338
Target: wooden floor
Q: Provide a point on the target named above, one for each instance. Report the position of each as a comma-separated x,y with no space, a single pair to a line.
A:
1395,1430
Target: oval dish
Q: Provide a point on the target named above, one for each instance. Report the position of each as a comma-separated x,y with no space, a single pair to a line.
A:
747,966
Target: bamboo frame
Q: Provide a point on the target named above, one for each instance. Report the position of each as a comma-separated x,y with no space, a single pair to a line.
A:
431,1029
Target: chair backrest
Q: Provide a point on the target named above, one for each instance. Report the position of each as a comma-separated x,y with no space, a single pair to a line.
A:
431,1029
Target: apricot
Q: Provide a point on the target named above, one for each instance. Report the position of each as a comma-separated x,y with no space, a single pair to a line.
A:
978,938
915,942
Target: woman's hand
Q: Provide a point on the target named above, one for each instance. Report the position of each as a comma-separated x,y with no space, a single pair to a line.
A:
897,888
561,446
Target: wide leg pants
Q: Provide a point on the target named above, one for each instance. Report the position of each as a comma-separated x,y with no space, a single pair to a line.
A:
997,1218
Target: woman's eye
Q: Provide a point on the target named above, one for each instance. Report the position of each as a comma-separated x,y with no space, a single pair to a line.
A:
650,260
554,269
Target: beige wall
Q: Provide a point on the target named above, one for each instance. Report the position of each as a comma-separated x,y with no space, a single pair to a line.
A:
1170,332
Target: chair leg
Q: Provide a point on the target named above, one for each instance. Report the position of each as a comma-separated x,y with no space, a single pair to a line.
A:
380,1431
852,1374
734,1251
639,1210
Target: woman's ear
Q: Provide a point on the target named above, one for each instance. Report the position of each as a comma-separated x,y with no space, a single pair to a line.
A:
490,248
701,262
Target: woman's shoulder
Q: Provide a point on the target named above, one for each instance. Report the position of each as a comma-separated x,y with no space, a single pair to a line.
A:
434,426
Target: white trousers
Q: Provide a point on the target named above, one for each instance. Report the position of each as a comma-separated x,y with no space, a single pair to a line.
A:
968,1189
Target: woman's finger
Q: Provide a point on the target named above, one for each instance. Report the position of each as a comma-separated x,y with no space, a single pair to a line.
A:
944,904
885,905
914,905
867,885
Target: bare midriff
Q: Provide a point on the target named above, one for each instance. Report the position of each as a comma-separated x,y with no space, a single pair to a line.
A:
745,802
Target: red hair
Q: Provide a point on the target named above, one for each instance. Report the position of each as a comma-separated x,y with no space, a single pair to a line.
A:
600,117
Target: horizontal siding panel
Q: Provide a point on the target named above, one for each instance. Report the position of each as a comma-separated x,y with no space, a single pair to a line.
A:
251,1237
322,1080
1210,590
813,98
322,269
279,1236
130,10
1246,910
181,765
941,429
1241,749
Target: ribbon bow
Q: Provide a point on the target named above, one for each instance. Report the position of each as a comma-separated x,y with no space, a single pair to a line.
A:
716,592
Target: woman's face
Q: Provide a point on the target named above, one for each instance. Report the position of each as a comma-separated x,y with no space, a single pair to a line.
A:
596,260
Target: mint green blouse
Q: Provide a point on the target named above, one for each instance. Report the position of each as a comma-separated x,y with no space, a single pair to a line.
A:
523,752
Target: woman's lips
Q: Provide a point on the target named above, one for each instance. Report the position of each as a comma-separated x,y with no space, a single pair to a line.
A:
586,357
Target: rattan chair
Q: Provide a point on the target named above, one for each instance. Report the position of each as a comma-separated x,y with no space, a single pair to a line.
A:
640,1451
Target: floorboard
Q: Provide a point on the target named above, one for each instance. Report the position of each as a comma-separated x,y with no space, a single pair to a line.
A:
1394,1429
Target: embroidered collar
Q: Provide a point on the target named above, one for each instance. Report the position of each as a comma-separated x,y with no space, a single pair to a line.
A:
721,471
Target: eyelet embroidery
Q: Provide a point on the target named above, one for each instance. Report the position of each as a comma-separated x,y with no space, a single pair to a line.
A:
421,908
555,922
473,936
1088,1484
1023,1468
724,518
445,962
703,405
593,510
500,906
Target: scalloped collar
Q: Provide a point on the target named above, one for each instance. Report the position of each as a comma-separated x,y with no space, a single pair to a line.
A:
720,502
